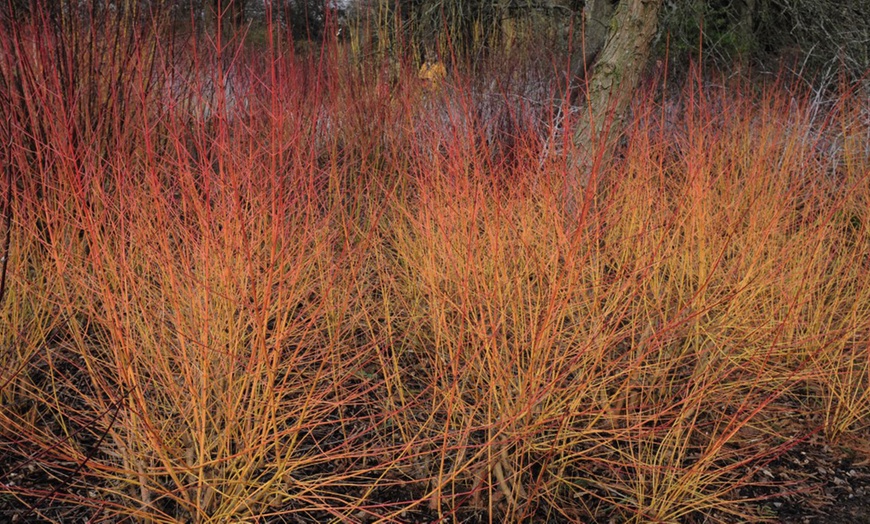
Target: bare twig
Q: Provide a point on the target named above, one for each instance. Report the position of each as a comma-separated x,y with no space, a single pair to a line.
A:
7,213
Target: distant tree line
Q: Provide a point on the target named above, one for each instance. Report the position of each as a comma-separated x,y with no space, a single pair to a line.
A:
822,35
302,19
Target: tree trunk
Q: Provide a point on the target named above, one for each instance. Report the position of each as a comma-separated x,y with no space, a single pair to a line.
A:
613,78
596,26
746,30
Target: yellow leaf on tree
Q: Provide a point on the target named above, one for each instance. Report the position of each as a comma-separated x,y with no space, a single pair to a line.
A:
432,71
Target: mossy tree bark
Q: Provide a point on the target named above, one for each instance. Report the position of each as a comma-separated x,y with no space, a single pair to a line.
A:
596,26
613,78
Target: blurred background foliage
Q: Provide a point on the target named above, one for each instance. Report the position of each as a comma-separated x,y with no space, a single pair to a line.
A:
816,38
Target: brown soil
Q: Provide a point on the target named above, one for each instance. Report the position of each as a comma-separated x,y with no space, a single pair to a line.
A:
811,483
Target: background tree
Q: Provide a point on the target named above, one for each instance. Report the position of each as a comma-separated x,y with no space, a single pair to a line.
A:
302,19
615,58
